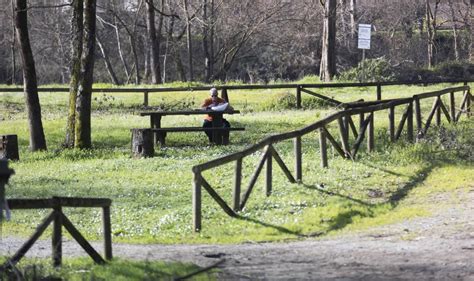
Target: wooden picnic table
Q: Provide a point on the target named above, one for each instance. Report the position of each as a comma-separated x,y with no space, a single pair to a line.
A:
217,123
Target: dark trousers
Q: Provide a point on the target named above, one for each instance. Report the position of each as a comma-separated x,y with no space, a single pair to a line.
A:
208,124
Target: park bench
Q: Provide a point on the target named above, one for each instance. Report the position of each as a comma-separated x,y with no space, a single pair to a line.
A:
161,133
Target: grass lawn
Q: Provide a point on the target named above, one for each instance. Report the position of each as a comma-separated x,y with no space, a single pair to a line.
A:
123,270
152,197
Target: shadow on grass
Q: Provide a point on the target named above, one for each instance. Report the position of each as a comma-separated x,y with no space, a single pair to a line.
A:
414,181
315,187
380,169
346,218
276,227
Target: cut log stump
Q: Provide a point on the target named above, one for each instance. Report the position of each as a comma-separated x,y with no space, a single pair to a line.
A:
142,143
9,147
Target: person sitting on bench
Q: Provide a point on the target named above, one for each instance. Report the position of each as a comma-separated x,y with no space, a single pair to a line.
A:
212,101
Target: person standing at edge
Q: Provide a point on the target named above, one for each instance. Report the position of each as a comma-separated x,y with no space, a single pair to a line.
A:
214,100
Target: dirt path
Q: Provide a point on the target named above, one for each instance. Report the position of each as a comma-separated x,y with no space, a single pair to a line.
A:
438,247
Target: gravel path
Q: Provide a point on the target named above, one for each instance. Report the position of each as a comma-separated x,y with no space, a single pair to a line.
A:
439,247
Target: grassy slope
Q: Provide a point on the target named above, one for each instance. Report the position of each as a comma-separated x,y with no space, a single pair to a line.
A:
152,197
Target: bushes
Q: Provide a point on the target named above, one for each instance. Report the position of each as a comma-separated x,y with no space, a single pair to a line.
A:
380,70
370,70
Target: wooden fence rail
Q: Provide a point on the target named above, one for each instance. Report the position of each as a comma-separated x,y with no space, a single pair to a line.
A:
344,118
299,88
59,219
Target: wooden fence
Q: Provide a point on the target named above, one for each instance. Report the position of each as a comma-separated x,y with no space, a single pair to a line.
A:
298,88
344,118
58,219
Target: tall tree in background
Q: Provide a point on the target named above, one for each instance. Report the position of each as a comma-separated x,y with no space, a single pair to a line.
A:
153,43
431,26
189,40
328,56
77,31
30,84
353,17
471,30
208,38
82,73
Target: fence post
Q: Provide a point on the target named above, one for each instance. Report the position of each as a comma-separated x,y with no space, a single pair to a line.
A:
452,107
224,94
298,158
197,182
344,137
370,135
57,234
298,96
379,92
468,103
419,125
237,184
107,232
268,175
410,122
361,121
323,148
438,111
391,117
145,98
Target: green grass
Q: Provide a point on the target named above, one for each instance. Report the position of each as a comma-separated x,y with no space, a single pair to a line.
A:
84,269
152,197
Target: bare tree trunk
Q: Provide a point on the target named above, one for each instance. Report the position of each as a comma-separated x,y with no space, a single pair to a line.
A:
119,48
119,43
189,41
159,35
328,56
12,48
343,25
84,95
108,65
353,17
455,30
211,40
77,31
431,29
30,85
153,43
205,41
175,51
470,27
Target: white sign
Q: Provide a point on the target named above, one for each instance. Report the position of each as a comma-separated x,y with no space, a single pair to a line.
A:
363,41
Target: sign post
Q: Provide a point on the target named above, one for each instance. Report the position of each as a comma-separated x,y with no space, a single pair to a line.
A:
363,40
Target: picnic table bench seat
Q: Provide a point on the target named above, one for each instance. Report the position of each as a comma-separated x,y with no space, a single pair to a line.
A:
161,133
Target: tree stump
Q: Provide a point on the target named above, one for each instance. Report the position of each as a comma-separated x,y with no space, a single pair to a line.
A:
142,143
9,147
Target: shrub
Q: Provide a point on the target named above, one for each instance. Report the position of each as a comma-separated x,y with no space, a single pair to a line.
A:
282,102
370,70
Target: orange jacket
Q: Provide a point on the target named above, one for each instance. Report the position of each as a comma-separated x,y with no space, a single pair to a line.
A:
208,103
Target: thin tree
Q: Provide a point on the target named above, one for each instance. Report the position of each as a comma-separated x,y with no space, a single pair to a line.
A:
328,56
189,41
353,17
82,73
431,25
108,64
12,48
30,84
470,27
153,43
